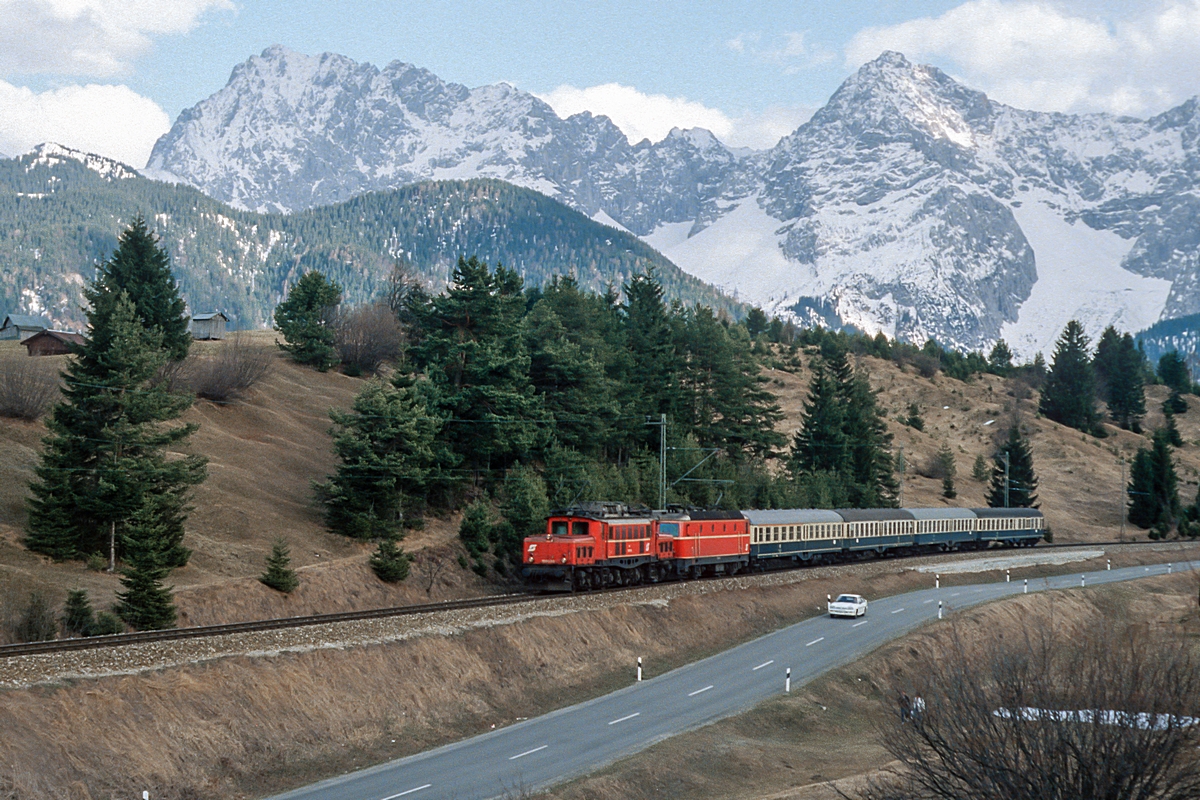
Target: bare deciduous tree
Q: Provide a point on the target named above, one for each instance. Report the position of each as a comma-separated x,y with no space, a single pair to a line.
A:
28,387
367,336
1105,711
236,367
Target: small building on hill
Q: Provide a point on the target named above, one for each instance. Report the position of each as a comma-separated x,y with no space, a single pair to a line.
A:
52,343
209,326
22,326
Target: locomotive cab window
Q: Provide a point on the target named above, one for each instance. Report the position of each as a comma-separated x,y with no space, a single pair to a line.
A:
579,528
558,527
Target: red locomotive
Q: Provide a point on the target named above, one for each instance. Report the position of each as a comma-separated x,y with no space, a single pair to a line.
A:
594,545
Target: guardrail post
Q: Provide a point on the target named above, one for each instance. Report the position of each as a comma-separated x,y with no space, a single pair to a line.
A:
639,668
787,682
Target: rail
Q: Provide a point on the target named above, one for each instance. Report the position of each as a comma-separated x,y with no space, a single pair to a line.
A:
203,631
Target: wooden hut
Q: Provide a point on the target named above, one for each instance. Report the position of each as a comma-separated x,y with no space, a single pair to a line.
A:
22,326
52,343
209,326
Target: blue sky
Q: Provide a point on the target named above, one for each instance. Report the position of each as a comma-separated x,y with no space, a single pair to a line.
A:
110,75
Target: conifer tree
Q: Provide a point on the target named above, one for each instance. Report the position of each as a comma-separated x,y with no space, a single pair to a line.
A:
305,319
1119,372
1170,427
1173,372
475,357
1153,485
142,269
279,575
390,562
1022,481
386,446
1069,396
979,470
78,617
651,343
105,453
1000,360
145,603
914,419
945,458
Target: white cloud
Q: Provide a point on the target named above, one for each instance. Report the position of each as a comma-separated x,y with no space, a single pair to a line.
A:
1040,55
89,37
791,50
652,116
112,121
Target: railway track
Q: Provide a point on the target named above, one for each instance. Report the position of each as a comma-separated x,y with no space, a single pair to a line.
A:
203,631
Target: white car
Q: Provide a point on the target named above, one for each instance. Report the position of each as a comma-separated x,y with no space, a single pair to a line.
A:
848,605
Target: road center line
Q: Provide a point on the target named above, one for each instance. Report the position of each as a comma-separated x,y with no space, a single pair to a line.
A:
956,594
814,641
629,716
855,625
410,791
764,664
700,691
898,610
927,602
527,752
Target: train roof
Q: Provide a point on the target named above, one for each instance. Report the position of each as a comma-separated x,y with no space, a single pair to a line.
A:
603,510
875,514
790,516
941,513
993,513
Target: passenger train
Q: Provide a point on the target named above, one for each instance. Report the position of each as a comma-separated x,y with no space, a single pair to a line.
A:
600,544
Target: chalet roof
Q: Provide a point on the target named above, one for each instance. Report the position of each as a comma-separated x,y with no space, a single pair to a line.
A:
25,321
208,316
62,336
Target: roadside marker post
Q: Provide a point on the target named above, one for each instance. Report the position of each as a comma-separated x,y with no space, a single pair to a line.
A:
939,609
1169,567
639,669
1083,580
937,581
1008,576
787,682
1108,561
1027,586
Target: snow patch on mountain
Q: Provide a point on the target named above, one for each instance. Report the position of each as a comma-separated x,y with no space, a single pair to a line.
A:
1079,277
50,154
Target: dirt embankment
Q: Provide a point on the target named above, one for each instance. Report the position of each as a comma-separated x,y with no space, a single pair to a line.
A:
248,725
825,735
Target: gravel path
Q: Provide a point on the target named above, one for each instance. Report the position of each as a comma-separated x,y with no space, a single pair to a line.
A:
24,671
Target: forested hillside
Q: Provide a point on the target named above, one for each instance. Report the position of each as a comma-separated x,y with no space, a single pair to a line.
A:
61,211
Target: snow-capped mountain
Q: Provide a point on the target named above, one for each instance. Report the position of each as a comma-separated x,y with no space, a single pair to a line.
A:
908,204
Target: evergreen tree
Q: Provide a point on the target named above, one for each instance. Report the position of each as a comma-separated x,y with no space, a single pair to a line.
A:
651,342
979,470
945,459
390,562
1000,360
78,617
142,269
145,603
386,446
843,435
305,319
1119,372
525,507
1173,372
1153,485
105,456
475,357
1174,404
914,419
1022,481
1069,396
1170,428
279,575
36,622
756,322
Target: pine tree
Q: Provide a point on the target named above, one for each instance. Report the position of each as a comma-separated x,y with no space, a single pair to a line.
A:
78,617
145,603
756,322
386,446
1000,360
1153,485
914,419
980,471
305,320
390,562
105,454
279,575
651,342
1173,372
478,366
525,507
1069,396
945,458
1022,481
1170,427
1119,367
142,269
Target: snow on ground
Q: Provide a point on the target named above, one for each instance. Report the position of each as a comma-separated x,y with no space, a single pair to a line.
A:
1079,277
603,218
1012,562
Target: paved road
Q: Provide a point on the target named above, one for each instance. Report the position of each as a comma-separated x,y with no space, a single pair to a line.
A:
580,739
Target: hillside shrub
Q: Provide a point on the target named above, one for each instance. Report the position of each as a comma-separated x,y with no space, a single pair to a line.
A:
366,337
37,622
28,387
236,367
